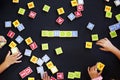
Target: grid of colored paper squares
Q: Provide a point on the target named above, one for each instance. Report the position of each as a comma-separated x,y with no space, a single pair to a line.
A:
46,8
60,11
73,75
100,66
58,50
30,5
58,33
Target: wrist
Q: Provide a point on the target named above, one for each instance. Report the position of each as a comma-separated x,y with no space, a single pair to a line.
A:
97,78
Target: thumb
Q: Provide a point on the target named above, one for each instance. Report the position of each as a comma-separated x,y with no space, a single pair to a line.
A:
100,73
102,49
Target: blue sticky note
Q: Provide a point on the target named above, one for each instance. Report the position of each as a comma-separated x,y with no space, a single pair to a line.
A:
19,39
117,26
74,33
20,27
71,16
90,26
112,28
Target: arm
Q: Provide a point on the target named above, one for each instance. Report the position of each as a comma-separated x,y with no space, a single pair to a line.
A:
106,45
93,73
9,60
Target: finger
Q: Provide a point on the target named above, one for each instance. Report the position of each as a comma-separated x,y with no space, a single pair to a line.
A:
99,43
44,75
102,49
19,57
8,54
100,73
18,61
88,69
106,39
48,78
18,54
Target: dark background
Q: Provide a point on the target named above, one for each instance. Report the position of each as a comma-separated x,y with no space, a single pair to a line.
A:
75,56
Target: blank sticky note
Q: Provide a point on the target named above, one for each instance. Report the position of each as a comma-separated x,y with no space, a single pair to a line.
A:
113,34
94,37
59,51
54,70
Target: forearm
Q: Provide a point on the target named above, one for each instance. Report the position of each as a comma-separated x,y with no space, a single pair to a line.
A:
116,52
3,67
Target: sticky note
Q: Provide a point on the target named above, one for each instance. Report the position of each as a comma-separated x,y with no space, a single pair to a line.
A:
11,34
74,33
40,62
21,27
54,70
28,40
15,50
45,46
50,65
62,34
108,15
15,1
30,5
94,37
68,33
46,8
12,44
81,2
16,23
60,76
100,66
44,33
113,34
117,3
31,78
21,11
77,74
32,14
70,75
59,51
117,17
74,3
8,24
33,46
45,58
34,59
88,45
90,26
27,52
71,16
50,33
19,39
59,20
40,69
107,8
60,11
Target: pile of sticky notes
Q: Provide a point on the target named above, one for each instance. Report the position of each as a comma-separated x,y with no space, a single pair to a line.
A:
108,11
100,66
73,75
58,33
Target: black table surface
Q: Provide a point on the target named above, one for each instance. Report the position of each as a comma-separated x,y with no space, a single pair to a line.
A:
75,56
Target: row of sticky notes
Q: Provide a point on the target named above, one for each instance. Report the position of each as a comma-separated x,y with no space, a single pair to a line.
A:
73,75
58,33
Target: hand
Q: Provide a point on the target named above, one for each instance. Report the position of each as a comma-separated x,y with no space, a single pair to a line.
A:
11,59
93,73
45,76
2,39
105,44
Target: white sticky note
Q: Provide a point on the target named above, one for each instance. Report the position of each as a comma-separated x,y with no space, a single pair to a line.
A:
45,58
27,52
40,62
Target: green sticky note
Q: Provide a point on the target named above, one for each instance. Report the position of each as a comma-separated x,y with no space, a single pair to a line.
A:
44,33
113,34
77,74
62,34
94,37
118,17
108,15
21,11
70,75
68,33
45,46
46,8
59,51
50,33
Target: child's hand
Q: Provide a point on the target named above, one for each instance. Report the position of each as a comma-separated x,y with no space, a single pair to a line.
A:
93,73
105,44
11,59
45,76
2,39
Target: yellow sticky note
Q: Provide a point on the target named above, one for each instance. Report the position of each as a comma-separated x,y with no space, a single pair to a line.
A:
88,45
28,40
74,3
34,59
54,70
12,44
16,23
108,8
100,66
31,5
44,33
60,11
59,51
50,65
31,78
15,1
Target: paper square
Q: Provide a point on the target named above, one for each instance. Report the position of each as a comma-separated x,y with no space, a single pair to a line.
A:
32,14
11,34
28,52
113,34
34,59
74,3
100,66
74,33
46,8
50,33
71,16
40,62
77,74
62,34
16,23
19,39
21,11
31,78
56,33
117,17
88,45
44,33
28,40
70,75
60,76
90,26
107,8
95,37
15,50
50,65
30,5
60,11
12,44
108,15
68,33
54,70
59,51
45,46
33,46
80,1
40,69
21,27
15,1
59,20
45,58
8,24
